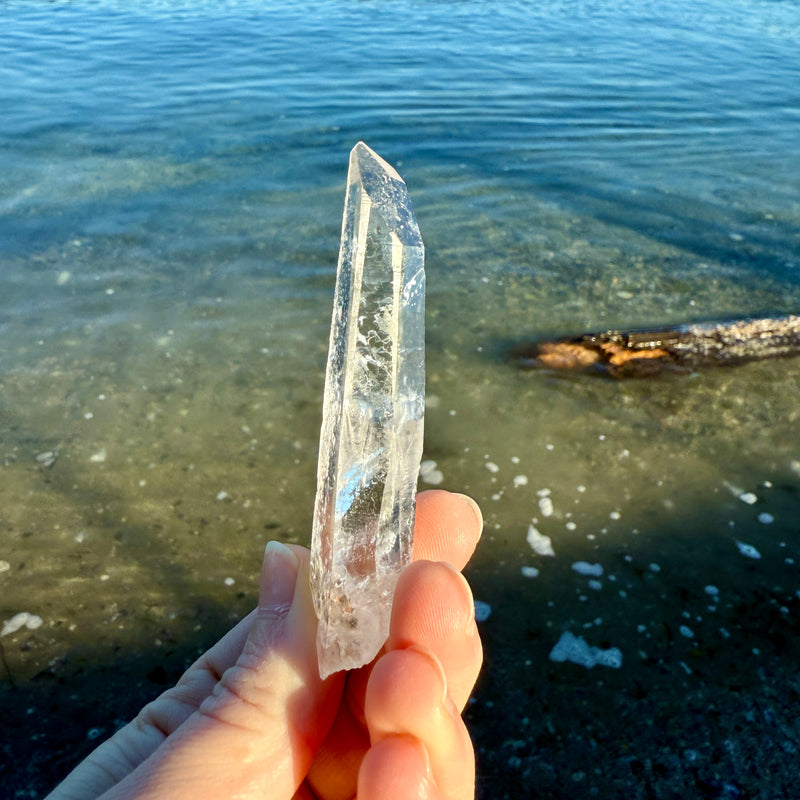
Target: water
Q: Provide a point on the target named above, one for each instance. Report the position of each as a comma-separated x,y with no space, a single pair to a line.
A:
170,203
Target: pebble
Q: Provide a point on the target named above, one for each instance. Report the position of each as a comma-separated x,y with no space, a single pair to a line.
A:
576,650
745,497
585,568
229,581
491,466
4,566
542,545
747,550
529,572
686,631
482,611
222,495
520,480
429,473
47,458
711,590
765,519
99,457
22,620
546,506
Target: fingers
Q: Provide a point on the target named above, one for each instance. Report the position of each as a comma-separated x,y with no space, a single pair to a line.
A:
407,696
447,527
433,609
420,745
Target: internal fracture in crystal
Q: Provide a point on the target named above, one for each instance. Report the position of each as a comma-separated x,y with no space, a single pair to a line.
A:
372,419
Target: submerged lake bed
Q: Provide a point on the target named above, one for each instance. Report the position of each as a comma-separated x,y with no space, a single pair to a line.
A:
169,224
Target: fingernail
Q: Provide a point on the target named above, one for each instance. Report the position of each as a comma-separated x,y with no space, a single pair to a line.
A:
279,576
476,509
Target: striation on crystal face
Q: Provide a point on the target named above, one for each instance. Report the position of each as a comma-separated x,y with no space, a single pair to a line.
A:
372,417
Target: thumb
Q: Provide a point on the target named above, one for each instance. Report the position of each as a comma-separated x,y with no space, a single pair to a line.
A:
255,735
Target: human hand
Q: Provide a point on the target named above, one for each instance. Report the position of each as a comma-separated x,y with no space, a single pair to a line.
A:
252,719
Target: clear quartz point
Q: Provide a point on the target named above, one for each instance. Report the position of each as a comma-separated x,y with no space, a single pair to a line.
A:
372,417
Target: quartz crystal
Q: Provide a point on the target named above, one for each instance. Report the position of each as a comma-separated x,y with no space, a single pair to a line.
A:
372,417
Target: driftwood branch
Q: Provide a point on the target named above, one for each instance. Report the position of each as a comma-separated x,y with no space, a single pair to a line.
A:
685,348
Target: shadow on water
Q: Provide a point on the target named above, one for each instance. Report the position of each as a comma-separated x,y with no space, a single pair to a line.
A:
704,704
55,718
703,715
691,716
63,692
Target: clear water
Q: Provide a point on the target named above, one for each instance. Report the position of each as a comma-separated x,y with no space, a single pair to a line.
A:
170,205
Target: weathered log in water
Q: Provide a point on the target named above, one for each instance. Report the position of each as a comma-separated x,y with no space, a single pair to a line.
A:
684,348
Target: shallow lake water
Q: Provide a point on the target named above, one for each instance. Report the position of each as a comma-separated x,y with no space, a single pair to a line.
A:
170,206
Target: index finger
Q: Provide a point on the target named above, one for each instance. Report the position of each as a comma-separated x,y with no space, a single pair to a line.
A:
447,527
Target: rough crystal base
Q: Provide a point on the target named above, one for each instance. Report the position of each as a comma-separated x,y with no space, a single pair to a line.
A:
372,419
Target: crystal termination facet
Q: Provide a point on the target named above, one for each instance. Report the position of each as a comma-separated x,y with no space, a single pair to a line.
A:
372,417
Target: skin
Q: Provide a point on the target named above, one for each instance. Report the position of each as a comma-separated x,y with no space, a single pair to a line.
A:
252,719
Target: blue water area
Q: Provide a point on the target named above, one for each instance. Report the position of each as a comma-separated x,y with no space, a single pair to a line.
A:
171,187
160,124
